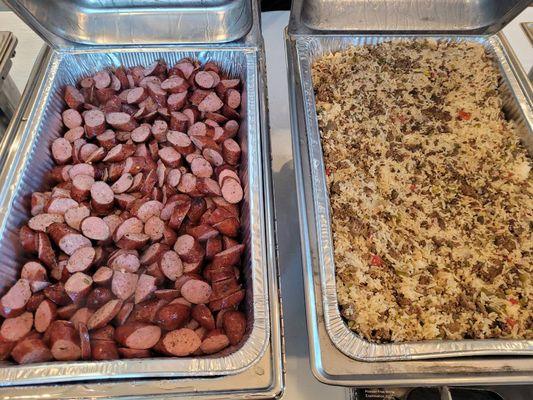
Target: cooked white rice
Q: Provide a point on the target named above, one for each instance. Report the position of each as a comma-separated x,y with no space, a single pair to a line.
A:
430,192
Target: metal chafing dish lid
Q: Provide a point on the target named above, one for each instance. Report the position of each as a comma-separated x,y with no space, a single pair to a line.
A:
68,23
431,16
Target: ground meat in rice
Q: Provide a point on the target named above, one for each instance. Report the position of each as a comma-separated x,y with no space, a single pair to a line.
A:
430,190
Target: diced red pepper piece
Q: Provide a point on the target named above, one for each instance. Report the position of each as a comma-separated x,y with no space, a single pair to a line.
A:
328,171
412,187
513,301
376,260
511,322
463,115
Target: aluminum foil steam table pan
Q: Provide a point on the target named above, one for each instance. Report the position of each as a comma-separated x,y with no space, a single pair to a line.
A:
517,106
33,160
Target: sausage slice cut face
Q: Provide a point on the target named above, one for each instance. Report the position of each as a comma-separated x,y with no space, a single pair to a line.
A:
132,247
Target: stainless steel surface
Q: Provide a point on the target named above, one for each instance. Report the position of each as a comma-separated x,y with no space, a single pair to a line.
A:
457,16
28,173
9,94
123,22
328,363
265,378
528,29
308,49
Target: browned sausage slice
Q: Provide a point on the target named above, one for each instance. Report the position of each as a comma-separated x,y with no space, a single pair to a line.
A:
81,260
13,302
103,276
136,95
176,101
28,239
133,241
121,120
214,342
157,94
210,103
105,314
231,151
102,79
204,80
36,275
149,209
61,150
78,286
31,350
98,297
138,335
85,343
44,315
73,97
167,294
226,84
229,301
105,333
233,98
79,169
81,316
208,187
101,197
232,191
171,265
67,238
153,253
124,314
71,118
173,316
213,156
39,200
16,328
94,123
196,291
125,260
41,222
202,232
64,341
175,84
57,294
95,228
146,285
197,96
154,227
141,134
45,252
187,183
181,342
131,225
234,324
120,152
193,114
107,139
102,350
126,352
81,187
178,121
189,249
197,129
204,316
123,284
170,157
228,257
181,142
201,167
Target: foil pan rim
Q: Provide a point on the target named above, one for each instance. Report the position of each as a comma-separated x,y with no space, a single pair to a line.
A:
257,342
347,341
